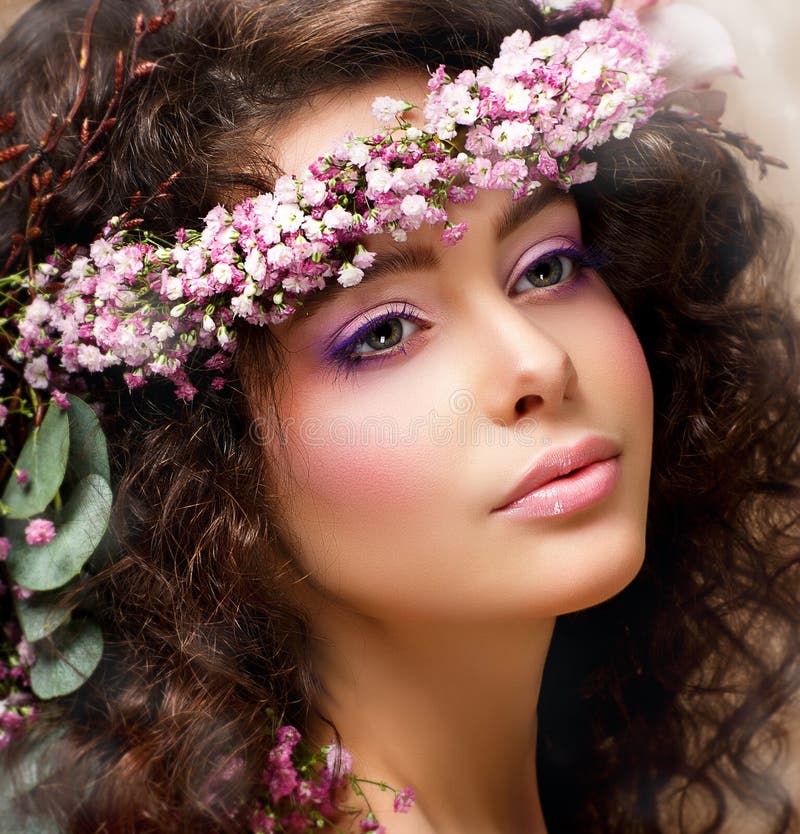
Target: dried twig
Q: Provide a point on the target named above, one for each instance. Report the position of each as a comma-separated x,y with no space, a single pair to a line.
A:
44,182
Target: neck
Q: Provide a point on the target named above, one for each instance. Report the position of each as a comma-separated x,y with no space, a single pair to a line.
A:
448,709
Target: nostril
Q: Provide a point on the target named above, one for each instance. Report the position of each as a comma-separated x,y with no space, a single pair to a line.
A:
526,403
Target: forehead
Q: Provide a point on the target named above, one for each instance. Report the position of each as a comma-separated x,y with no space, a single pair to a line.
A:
326,118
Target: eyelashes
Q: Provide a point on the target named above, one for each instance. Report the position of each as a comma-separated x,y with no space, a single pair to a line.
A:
555,273
566,265
382,334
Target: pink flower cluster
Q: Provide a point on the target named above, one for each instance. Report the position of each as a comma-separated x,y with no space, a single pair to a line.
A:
298,794
133,301
17,705
302,789
40,531
530,115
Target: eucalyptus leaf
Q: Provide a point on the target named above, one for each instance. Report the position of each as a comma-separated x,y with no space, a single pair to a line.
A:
88,451
40,615
79,529
30,768
66,664
44,458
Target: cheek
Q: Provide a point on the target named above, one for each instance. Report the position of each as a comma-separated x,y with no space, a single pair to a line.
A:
629,379
347,458
616,367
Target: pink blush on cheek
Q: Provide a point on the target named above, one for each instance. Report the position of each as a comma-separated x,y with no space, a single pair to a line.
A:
371,462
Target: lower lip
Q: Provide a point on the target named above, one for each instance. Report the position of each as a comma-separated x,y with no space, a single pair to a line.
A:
563,496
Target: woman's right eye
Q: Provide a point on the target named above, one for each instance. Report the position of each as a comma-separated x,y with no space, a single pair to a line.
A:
378,337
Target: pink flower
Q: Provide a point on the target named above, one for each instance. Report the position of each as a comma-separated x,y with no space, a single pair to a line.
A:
453,234
404,800
337,754
61,400
22,477
27,656
21,593
40,531
5,547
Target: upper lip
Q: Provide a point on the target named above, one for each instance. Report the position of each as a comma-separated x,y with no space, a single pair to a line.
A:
561,461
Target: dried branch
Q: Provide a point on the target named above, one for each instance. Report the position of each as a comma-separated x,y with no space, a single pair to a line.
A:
45,182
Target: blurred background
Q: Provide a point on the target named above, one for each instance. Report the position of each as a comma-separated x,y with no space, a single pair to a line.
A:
765,104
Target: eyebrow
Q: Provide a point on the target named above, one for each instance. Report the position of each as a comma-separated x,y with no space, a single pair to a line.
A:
520,211
410,257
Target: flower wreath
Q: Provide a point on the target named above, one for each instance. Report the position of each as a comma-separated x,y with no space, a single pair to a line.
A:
145,304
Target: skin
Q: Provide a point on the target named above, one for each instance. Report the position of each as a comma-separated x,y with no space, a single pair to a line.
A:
433,614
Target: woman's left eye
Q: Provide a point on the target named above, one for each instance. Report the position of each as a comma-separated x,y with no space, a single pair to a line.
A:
547,271
386,333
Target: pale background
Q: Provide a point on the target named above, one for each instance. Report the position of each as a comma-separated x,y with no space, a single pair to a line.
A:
766,104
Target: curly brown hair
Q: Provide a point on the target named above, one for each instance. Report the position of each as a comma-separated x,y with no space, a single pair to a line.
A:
659,706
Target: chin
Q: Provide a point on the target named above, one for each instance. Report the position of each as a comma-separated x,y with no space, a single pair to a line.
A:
615,566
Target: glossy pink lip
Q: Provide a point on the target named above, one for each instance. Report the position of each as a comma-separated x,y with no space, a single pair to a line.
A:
566,479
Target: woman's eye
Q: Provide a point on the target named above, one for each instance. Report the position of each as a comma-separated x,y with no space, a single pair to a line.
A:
387,333
378,337
546,272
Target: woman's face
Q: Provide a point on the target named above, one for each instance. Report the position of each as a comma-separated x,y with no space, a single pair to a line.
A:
415,404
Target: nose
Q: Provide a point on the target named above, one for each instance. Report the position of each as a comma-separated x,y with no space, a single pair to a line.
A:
522,369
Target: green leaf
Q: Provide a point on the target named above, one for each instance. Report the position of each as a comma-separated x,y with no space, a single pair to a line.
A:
40,615
88,452
79,529
65,664
33,764
44,457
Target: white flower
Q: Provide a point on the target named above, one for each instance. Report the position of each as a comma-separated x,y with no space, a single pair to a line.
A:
313,191
38,311
223,273
350,275
608,105
587,69
37,373
279,255
90,357
425,171
241,305
101,252
357,152
171,286
162,331
623,130
79,268
254,264
337,218
285,190
511,136
312,228
384,108
289,218
379,181
413,205
545,48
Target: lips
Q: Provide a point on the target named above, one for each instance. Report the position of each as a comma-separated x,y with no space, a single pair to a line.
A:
561,461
